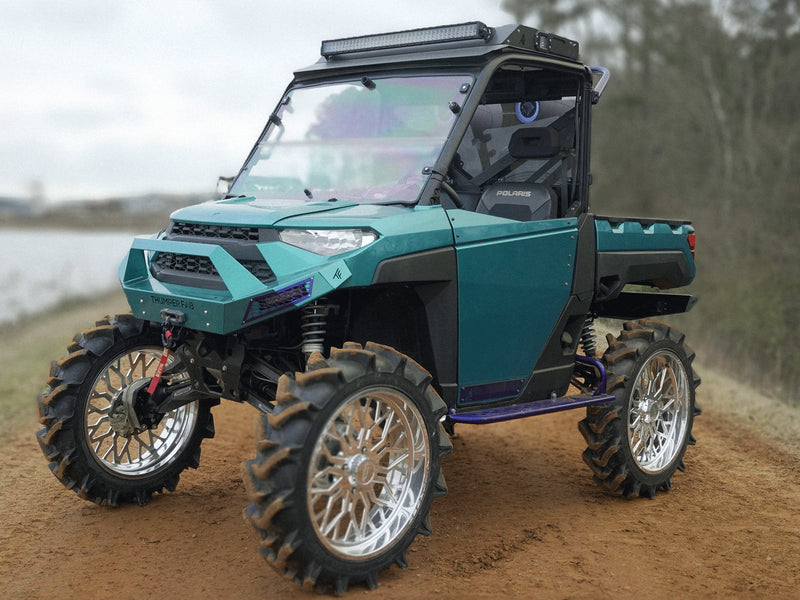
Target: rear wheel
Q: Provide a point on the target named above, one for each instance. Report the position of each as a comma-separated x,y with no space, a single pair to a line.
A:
98,440
636,443
347,467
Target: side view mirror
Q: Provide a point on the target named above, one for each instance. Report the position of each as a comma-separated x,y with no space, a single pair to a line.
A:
224,185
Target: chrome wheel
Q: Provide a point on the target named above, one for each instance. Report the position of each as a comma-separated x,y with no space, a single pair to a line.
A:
369,473
118,447
660,409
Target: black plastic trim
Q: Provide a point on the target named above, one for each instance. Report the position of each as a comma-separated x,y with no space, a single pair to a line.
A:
430,265
433,274
663,269
583,281
639,305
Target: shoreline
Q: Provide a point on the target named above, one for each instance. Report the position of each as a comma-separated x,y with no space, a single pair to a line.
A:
66,306
112,223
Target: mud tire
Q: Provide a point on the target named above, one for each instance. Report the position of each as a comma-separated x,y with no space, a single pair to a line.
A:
310,432
75,422
613,430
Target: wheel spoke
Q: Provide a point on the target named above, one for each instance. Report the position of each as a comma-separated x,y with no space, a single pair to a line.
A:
106,379
116,369
330,517
118,454
637,446
111,449
143,445
98,440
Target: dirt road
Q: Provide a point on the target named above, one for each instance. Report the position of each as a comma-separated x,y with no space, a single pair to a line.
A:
523,519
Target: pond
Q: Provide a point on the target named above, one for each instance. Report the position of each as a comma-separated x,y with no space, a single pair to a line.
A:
41,267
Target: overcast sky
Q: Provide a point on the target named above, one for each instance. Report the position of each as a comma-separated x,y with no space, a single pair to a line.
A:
103,97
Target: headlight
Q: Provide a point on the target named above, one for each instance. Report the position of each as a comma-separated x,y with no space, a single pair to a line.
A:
328,241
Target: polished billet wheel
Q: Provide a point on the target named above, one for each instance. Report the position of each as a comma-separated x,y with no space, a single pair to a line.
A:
118,444
369,472
660,408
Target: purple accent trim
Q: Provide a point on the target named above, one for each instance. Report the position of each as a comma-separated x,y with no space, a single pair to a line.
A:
266,304
601,388
530,409
491,391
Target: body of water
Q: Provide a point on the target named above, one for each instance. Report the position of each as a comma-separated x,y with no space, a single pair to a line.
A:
41,267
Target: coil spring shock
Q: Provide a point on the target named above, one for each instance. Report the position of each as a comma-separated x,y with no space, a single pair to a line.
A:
588,339
313,326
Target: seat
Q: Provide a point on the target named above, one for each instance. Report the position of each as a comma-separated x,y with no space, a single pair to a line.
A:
523,201
519,201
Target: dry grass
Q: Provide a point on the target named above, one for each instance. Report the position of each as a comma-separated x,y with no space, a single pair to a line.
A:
30,345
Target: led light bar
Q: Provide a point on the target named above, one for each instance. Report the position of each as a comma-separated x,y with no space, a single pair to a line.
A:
413,37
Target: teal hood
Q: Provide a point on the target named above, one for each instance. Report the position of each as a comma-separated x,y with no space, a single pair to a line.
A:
250,212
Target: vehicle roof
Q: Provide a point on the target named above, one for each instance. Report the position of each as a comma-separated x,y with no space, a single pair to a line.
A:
517,39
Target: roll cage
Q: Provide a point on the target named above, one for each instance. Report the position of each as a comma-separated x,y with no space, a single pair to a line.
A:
506,70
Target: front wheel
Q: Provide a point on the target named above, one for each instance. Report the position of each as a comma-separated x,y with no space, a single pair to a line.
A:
636,443
91,438
347,467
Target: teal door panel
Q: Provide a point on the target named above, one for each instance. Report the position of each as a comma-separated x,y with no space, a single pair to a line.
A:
514,279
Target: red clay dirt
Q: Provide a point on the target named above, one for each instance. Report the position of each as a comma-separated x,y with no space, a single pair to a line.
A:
523,519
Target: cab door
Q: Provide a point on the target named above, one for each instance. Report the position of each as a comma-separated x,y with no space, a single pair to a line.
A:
514,281
519,177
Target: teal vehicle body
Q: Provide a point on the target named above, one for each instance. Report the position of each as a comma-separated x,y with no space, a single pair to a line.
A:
428,160
512,278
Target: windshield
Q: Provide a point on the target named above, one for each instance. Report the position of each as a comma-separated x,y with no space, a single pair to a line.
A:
367,141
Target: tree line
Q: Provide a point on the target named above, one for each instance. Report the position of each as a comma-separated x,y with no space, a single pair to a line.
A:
701,120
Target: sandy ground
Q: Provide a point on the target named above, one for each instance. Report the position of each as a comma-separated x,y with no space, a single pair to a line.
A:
523,519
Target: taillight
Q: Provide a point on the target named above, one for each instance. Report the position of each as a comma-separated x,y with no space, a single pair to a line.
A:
690,239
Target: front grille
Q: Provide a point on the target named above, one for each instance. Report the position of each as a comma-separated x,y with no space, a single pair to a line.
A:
198,271
216,232
168,265
184,263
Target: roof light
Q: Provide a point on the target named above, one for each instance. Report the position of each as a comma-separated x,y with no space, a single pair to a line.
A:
412,37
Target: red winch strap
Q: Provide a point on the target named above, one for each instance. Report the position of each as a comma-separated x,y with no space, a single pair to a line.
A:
161,364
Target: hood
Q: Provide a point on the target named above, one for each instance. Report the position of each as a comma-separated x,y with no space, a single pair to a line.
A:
250,212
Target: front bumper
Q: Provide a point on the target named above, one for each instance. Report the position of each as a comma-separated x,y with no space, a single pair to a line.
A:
300,278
